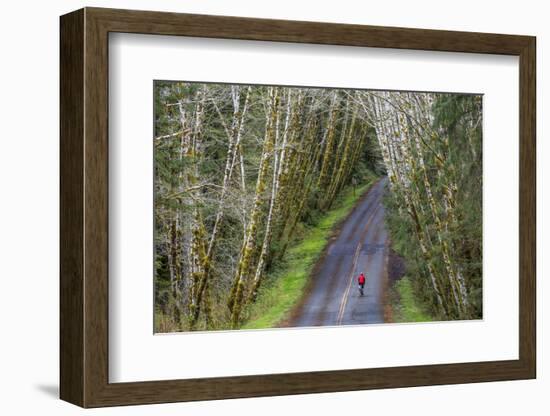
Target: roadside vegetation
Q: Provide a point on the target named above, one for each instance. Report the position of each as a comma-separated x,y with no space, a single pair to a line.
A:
432,146
405,304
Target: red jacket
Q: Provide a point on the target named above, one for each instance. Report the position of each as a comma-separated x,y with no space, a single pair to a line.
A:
361,279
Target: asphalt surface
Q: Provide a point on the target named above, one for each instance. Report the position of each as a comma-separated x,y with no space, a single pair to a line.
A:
360,246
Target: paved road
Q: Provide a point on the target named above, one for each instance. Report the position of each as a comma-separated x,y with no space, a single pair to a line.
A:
361,246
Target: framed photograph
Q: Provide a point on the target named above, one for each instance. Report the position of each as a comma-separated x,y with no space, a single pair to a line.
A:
255,207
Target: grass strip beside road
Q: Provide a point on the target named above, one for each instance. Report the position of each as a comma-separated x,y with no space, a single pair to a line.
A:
285,285
407,308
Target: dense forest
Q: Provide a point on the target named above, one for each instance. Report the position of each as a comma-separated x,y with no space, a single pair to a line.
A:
431,144
241,170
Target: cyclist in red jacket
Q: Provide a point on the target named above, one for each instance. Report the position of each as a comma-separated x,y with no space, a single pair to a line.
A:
361,280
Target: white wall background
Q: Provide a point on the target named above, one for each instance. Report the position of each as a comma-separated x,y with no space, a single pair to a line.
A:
29,206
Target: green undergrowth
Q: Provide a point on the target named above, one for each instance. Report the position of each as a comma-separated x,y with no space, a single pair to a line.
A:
406,307
285,284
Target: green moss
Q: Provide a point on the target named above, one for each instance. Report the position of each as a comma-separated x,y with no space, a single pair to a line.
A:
406,308
285,285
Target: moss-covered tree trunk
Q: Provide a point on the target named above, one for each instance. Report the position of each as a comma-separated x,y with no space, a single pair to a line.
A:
241,279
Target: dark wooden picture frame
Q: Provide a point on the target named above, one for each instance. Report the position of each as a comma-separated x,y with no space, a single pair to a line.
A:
84,207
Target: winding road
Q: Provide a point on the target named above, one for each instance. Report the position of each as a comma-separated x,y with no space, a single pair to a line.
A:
360,246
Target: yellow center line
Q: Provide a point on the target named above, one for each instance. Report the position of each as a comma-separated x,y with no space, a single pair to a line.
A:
345,297
344,300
